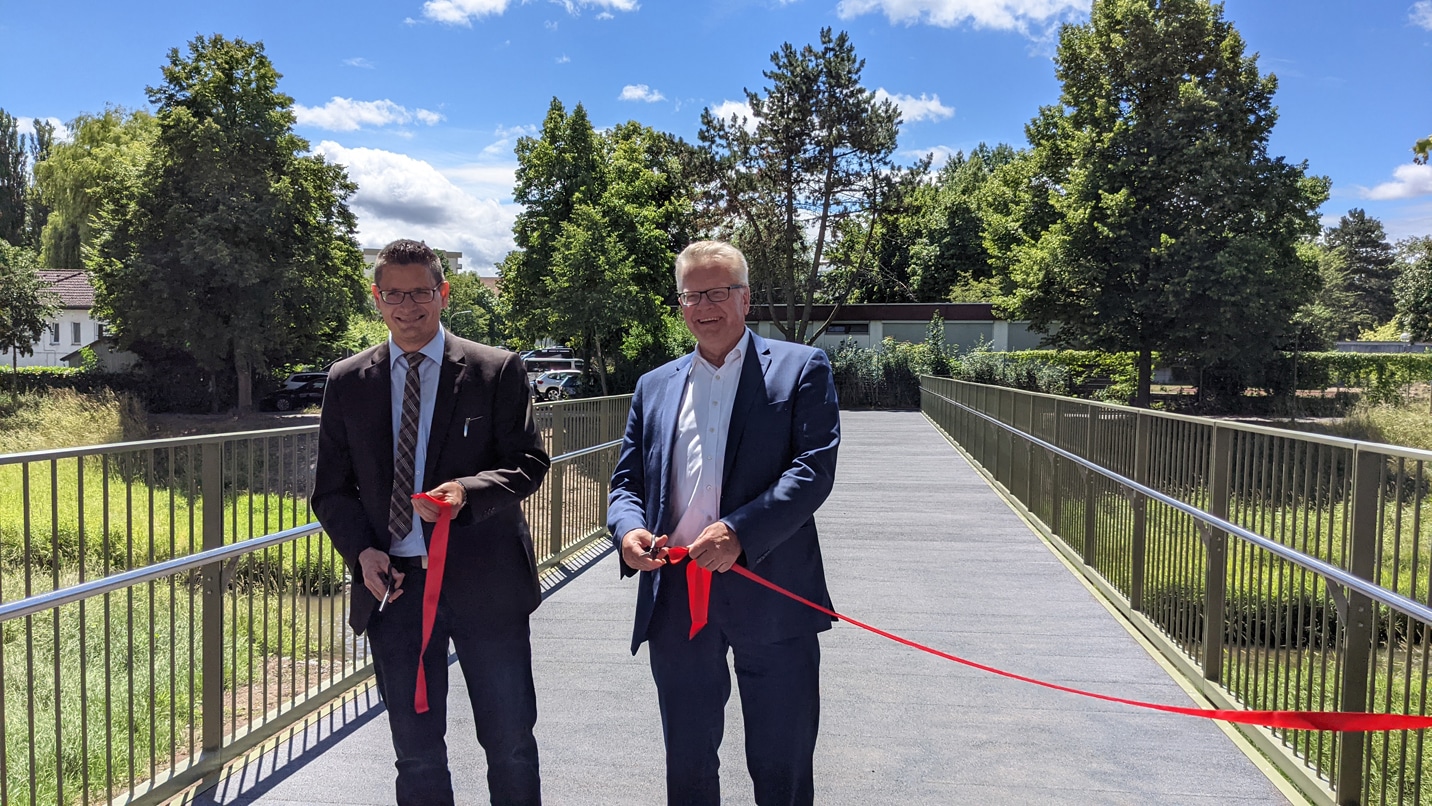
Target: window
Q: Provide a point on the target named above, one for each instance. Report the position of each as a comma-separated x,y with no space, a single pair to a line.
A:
98,330
74,333
54,332
849,329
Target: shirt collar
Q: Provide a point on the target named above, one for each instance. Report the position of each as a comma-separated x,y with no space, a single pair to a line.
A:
433,350
732,357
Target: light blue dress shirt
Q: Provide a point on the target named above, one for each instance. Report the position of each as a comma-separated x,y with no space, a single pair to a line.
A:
413,545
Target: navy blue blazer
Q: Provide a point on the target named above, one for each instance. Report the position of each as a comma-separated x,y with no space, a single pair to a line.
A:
779,468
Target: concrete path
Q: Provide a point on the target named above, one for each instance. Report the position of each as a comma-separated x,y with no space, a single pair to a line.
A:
915,543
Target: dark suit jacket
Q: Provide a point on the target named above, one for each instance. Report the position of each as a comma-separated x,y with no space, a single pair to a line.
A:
779,468
483,436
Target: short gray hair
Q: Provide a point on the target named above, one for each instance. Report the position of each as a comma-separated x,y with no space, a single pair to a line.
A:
405,252
713,251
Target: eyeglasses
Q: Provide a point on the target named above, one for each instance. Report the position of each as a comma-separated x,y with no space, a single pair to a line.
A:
721,293
422,296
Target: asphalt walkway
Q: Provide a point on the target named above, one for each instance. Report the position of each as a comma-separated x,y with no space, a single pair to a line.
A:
915,543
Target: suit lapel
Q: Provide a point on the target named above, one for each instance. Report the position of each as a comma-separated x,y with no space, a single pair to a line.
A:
668,407
378,393
751,388
450,378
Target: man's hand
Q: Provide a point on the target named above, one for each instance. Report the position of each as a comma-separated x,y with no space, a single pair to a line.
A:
716,548
449,491
635,547
376,570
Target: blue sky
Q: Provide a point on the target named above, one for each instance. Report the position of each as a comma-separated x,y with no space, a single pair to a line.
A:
423,101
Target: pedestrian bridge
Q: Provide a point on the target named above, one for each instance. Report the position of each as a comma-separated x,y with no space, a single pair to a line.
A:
176,628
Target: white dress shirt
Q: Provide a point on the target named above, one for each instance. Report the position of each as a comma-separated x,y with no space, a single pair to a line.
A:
701,426
413,544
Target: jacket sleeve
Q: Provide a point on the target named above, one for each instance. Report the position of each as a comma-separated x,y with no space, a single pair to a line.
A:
770,518
521,462
335,483
626,503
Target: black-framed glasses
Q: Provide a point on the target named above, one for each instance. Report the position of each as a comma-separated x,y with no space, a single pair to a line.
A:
422,296
721,293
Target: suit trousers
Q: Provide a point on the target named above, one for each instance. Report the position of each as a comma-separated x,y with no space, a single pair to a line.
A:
779,685
498,673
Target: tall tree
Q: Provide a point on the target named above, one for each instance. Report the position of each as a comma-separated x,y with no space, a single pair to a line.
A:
1369,263
230,244
812,167
555,172
14,180
26,303
38,147
472,310
1175,229
1414,287
105,150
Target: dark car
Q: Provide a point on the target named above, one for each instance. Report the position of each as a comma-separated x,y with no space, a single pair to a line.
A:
308,394
549,352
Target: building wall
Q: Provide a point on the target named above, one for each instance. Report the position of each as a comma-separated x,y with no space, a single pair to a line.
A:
48,351
999,335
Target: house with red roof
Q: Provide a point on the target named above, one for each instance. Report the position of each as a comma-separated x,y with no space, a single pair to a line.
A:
72,328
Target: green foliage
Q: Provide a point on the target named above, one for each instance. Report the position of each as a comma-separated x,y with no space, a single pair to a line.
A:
1369,269
887,377
1387,331
1383,377
603,218
816,170
26,302
229,245
106,150
472,311
1172,228
13,181
34,420
1414,287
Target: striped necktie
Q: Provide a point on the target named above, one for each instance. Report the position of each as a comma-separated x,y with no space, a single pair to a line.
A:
400,506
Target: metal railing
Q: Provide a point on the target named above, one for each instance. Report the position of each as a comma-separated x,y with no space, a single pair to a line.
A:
1278,570
167,605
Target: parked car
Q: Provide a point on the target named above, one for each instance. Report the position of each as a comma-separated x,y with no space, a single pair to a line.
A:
307,394
298,379
537,366
556,385
549,352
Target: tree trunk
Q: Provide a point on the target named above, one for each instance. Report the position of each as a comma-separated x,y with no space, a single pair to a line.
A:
601,363
1146,361
213,394
245,377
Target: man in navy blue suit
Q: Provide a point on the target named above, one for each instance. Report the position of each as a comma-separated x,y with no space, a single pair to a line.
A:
729,451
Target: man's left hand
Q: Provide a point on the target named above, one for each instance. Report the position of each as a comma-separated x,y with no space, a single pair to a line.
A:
449,491
716,548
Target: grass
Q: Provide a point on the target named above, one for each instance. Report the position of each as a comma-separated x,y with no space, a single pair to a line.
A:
63,418
126,698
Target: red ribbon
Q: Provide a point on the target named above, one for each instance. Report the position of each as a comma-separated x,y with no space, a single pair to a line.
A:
1348,721
698,588
437,558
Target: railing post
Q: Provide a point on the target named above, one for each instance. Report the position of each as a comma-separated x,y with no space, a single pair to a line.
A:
1057,463
1139,550
1358,635
1091,514
555,477
211,496
1215,579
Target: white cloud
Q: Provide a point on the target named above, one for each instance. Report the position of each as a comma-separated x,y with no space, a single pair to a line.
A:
1421,14
939,155
640,92
741,109
402,197
1409,181
461,12
914,109
62,132
505,136
563,59
606,15
575,6
550,25
346,114
358,61
1004,15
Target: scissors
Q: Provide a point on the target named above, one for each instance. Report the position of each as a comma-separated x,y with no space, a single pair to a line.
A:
387,580
653,549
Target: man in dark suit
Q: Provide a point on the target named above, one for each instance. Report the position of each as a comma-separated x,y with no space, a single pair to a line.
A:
430,411
729,451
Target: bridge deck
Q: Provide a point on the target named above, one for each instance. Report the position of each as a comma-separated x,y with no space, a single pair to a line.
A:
915,543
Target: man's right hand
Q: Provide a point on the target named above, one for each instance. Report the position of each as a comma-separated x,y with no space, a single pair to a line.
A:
376,570
636,546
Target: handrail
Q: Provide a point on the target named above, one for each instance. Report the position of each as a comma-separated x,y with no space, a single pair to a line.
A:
85,590
1377,593
151,444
